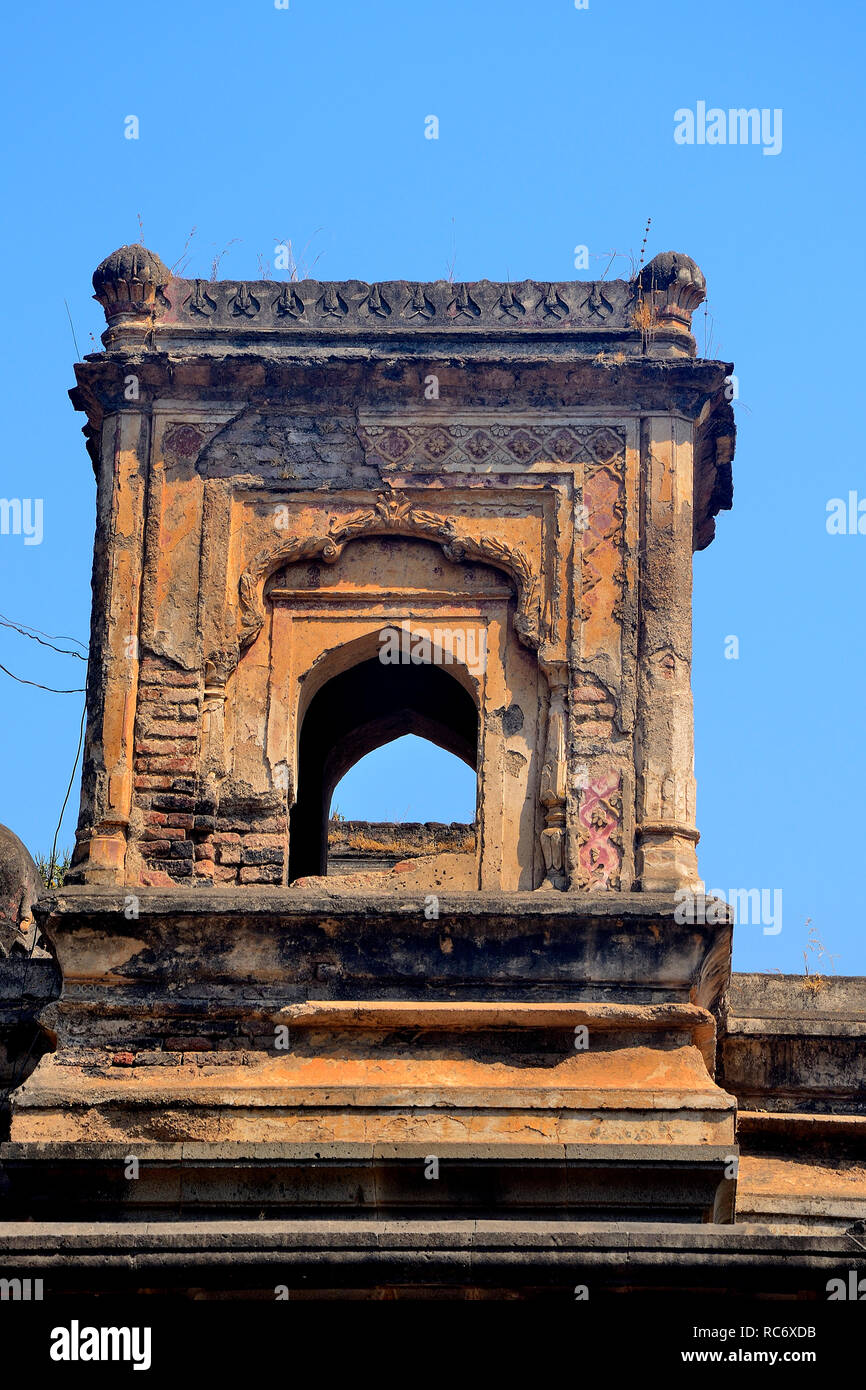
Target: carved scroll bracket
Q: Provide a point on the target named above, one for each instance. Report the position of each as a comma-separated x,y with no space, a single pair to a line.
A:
392,515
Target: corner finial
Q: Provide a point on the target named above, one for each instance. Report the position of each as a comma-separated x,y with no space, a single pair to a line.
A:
126,283
677,286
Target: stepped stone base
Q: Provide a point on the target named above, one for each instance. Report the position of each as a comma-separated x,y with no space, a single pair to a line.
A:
543,1051
352,1100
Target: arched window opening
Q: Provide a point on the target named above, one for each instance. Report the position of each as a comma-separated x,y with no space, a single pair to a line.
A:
356,712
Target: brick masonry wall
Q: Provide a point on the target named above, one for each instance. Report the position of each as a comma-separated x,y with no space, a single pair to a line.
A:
179,831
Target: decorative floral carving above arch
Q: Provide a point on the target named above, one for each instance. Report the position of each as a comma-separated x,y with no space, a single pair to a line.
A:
392,514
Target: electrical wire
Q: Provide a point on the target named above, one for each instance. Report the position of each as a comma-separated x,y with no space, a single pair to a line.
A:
76,690
64,651
53,860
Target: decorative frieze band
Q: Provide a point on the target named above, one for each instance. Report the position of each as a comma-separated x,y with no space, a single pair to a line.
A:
489,447
402,304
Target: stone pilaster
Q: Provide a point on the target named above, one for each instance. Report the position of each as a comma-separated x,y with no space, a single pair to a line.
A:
114,659
667,835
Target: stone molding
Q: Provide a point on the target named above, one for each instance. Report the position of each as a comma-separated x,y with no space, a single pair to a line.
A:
132,280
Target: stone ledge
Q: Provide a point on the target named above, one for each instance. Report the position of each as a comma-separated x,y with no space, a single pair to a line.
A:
262,948
795,1124
222,1153
781,1001
93,899
279,1237
450,1016
174,1181
820,1027
360,1253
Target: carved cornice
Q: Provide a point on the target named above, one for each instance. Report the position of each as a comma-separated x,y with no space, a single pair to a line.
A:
297,306
392,514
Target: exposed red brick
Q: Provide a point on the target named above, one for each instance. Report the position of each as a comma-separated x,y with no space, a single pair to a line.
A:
148,781
160,746
262,841
153,763
151,673
163,729
161,695
262,873
155,878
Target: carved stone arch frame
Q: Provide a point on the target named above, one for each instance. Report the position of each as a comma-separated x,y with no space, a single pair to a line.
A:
395,515
392,515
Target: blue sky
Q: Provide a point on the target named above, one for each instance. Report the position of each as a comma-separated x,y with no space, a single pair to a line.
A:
556,130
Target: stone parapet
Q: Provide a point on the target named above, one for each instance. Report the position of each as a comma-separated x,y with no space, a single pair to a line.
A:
651,313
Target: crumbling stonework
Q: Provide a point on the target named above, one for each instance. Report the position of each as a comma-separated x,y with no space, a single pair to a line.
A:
501,486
